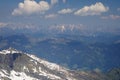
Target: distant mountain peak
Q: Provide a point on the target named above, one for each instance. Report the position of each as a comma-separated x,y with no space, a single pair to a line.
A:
10,50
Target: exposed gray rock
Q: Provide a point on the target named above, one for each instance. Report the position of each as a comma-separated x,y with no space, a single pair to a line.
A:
22,66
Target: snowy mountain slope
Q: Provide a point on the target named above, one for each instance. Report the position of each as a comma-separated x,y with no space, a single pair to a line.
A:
17,65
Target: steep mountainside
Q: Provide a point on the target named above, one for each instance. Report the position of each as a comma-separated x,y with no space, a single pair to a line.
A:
16,65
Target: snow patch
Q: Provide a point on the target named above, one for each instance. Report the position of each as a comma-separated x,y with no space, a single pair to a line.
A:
51,76
20,76
49,65
25,69
10,51
15,75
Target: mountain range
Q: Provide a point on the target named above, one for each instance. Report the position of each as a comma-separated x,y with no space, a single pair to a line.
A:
101,52
18,65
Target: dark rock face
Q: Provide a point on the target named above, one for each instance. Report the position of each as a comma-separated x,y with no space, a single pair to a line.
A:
13,64
8,60
114,74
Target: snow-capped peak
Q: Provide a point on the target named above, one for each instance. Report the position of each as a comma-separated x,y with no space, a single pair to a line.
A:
9,51
25,66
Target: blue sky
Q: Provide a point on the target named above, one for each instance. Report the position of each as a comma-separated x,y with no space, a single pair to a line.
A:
91,13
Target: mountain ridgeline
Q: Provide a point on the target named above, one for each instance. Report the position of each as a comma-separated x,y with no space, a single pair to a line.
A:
100,51
17,65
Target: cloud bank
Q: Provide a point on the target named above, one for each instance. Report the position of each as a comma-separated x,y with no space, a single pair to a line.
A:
29,7
95,9
50,16
65,11
114,17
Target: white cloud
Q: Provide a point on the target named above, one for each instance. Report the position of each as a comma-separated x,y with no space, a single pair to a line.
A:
2,24
62,28
118,9
65,11
64,1
114,17
29,7
53,2
51,16
95,9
